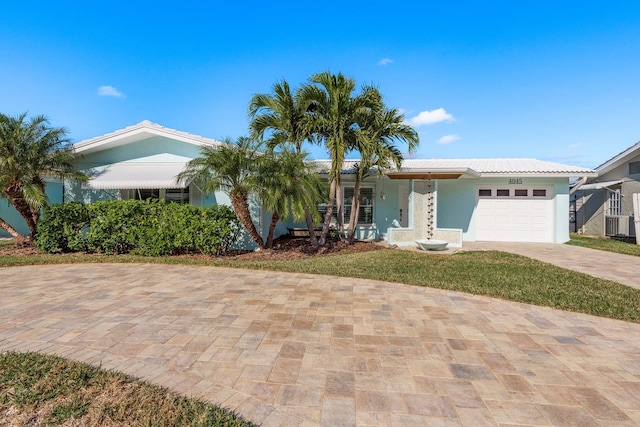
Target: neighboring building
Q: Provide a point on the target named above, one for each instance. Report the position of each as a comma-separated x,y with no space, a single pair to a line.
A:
603,205
522,200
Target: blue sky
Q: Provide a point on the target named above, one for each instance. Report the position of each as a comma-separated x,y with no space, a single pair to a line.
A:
557,80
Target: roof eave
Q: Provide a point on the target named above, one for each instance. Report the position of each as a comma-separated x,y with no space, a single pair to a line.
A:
548,174
618,159
466,172
139,132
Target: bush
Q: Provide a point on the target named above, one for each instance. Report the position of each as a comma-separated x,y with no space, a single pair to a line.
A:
63,228
151,228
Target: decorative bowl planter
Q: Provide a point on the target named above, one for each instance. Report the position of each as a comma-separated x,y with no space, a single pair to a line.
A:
432,244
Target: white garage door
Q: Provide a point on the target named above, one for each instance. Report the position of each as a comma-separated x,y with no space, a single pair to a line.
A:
505,214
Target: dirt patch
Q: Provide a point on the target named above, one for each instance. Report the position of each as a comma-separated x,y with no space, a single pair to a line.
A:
286,247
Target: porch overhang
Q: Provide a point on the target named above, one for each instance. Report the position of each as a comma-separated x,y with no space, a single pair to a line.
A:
129,175
434,173
599,185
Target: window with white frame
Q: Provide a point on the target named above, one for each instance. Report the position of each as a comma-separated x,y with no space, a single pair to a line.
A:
614,203
365,213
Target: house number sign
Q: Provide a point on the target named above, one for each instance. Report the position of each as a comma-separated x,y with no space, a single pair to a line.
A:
515,181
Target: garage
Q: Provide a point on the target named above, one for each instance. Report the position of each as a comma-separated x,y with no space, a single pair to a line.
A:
514,214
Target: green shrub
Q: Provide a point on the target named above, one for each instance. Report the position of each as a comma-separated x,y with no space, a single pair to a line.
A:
151,228
115,226
63,228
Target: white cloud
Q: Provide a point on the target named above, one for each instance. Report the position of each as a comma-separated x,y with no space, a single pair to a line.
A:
110,91
448,139
576,145
426,118
385,61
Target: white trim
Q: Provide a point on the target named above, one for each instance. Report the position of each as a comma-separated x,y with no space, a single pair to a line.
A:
139,132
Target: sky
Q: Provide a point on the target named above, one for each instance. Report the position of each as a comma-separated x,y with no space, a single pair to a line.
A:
552,80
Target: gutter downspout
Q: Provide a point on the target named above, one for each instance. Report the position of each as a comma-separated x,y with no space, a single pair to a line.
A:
579,184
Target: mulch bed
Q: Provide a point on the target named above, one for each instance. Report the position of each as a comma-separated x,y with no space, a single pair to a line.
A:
286,247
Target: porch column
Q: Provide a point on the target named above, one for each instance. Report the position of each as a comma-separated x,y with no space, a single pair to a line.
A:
423,222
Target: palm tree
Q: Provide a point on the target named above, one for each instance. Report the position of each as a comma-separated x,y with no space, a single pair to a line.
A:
232,168
288,185
30,151
282,118
333,112
380,129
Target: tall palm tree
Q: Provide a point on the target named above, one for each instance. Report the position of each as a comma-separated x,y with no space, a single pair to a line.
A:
30,151
288,185
232,168
333,112
279,119
380,130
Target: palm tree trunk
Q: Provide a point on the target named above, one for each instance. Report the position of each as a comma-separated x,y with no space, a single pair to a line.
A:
340,207
29,215
310,226
272,227
241,208
328,213
355,210
19,239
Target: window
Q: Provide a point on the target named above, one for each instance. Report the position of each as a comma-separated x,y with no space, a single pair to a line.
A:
502,193
484,192
540,193
521,192
147,193
175,195
614,203
365,213
634,168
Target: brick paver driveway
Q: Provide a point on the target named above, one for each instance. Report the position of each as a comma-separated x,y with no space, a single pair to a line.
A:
294,349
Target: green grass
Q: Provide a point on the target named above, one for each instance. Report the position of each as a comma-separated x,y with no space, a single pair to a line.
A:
37,389
604,244
496,274
6,242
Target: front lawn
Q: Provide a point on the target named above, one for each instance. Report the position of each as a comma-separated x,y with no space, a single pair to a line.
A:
37,389
604,244
496,274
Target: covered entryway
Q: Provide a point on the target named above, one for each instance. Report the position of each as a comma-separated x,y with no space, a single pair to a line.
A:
514,214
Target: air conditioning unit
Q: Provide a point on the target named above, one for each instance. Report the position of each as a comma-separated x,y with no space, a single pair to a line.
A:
619,225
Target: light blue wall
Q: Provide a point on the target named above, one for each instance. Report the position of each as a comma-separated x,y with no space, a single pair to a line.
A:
156,149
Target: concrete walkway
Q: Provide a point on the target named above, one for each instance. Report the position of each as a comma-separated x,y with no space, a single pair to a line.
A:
620,268
300,350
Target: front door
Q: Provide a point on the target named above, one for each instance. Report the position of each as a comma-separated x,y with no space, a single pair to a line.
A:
403,206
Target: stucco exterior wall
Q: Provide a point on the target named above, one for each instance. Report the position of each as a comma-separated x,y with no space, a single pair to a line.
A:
591,204
418,213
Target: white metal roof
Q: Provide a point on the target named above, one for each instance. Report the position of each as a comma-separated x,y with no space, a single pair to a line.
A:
131,175
139,132
479,167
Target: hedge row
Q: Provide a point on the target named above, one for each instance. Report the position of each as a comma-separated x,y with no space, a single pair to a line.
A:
139,227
